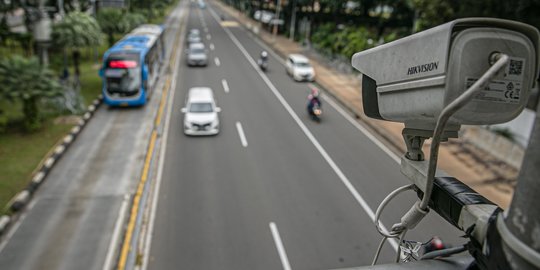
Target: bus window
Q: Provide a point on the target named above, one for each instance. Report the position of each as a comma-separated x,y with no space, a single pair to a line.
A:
122,74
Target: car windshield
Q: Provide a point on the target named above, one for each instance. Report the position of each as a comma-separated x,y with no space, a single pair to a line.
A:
200,107
302,64
197,50
122,73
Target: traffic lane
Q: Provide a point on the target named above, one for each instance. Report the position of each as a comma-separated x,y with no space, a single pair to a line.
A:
366,165
235,94
98,164
207,216
274,132
73,214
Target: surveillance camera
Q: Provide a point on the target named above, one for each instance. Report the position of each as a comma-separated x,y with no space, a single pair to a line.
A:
412,79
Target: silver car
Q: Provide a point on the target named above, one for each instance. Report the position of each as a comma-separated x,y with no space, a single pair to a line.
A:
194,36
197,55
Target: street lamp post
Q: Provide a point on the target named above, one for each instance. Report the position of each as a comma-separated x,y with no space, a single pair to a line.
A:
293,21
42,34
278,10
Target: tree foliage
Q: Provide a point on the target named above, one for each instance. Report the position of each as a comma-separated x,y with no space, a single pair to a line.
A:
432,13
24,80
77,30
345,41
116,21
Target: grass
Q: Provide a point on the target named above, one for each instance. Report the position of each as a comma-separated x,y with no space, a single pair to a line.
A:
20,154
90,82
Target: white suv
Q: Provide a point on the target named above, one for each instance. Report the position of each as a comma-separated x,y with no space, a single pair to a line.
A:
201,113
299,68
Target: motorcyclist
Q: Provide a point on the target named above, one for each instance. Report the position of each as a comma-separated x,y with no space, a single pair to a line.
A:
264,56
263,60
313,100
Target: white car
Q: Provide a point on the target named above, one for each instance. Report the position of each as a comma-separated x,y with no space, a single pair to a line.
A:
201,113
299,68
196,55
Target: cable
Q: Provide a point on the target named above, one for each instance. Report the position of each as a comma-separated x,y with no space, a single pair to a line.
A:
443,252
381,207
398,256
447,112
381,244
394,233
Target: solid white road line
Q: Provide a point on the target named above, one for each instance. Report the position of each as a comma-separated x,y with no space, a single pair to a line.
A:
306,131
162,153
115,238
212,47
17,224
362,129
338,108
225,85
216,60
241,134
279,246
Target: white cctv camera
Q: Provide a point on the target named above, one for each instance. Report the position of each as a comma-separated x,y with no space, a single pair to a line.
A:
412,79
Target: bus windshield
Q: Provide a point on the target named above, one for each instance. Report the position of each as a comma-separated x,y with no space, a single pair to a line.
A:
123,74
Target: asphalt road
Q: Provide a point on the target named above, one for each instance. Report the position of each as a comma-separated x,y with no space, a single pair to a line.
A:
70,222
284,200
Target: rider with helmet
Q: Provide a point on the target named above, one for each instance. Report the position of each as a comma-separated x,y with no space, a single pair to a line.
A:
313,100
263,60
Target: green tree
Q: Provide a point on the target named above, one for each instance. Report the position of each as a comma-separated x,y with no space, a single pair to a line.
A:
75,31
111,21
133,20
116,21
24,80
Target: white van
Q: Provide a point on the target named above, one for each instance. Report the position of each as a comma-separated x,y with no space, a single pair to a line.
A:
201,113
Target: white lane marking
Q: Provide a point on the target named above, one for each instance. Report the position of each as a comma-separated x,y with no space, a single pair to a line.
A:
241,134
225,85
212,47
279,246
362,129
115,238
162,153
205,30
216,60
209,37
306,131
337,107
15,227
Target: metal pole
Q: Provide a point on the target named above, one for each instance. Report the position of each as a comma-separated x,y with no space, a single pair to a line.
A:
520,231
293,21
278,10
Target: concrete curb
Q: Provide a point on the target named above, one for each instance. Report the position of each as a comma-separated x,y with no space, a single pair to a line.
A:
21,200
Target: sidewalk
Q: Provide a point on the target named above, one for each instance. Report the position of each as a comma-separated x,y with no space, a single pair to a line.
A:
485,174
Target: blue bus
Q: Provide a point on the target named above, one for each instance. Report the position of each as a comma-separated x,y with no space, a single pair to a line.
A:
131,67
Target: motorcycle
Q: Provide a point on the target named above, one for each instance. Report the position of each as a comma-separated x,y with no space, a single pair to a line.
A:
315,112
263,64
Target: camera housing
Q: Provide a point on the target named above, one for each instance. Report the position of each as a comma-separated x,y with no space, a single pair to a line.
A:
412,79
